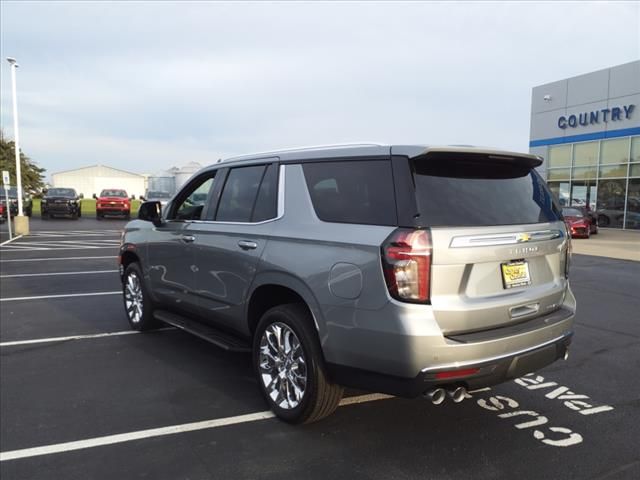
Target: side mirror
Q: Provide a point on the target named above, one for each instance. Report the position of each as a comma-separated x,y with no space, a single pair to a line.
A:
95,196
81,196
143,198
44,191
151,212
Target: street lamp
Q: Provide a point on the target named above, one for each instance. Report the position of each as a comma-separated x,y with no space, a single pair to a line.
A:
21,222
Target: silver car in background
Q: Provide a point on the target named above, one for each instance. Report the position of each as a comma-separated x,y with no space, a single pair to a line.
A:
156,196
409,270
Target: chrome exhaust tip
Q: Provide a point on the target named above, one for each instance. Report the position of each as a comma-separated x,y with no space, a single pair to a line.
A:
457,395
436,395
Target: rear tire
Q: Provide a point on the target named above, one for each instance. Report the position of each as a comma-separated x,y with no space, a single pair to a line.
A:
99,216
290,368
138,305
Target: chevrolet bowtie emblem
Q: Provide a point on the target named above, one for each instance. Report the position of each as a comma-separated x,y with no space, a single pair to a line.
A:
523,237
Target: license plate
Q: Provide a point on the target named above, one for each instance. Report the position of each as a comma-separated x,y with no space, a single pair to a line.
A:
515,274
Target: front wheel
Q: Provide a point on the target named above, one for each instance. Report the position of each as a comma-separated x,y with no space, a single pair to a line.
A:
137,303
289,366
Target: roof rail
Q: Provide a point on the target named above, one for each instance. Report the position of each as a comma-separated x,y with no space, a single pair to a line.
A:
304,148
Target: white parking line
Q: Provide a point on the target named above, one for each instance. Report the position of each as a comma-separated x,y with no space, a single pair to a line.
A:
11,240
21,248
57,273
67,243
66,295
77,337
67,235
61,246
64,339
71,233
159,432
56,258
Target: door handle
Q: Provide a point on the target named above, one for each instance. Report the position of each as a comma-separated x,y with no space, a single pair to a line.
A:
247,245
188,238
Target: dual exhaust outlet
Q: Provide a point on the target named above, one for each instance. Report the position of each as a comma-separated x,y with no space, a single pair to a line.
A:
438,395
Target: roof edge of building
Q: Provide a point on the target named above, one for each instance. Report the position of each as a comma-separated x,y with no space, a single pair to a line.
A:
94,166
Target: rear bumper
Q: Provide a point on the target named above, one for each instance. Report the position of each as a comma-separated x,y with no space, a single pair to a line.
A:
492,371
400,349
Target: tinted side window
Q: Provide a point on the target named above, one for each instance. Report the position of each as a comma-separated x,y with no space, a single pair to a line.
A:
352,191
267,201
239,194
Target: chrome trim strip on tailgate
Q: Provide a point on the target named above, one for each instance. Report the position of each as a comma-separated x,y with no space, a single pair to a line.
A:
504,239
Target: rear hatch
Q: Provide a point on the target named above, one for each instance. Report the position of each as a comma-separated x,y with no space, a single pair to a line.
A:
499,242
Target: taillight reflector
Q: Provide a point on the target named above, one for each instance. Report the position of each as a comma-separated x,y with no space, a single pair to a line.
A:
456,373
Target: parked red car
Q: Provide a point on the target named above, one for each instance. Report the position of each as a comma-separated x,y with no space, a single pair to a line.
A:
113,202
579,225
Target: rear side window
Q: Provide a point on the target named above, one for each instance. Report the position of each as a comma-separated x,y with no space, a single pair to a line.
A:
239,194
352,191
479,193
267,202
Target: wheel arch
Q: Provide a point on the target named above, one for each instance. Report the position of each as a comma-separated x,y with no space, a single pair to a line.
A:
126,258
272,289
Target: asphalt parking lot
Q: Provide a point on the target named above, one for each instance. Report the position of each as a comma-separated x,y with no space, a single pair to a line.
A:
168,405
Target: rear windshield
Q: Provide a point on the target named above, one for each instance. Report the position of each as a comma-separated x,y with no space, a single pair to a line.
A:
11,192
479,193
571,212
154,194
113,193
61,192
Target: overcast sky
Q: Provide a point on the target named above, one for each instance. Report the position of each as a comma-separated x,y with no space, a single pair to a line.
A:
144,86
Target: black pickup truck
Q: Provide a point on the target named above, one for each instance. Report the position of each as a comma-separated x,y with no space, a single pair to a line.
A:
61,201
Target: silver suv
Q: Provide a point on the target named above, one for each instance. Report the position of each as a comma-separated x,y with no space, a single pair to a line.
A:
408,270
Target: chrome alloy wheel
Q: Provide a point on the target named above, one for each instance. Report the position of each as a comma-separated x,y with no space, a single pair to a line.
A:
133,300
283,368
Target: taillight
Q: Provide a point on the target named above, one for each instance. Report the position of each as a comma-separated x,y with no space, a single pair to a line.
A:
406,261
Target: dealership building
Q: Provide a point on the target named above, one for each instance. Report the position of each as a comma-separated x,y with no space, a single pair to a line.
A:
587,129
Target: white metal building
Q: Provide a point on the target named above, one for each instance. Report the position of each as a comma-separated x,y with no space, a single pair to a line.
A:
93,179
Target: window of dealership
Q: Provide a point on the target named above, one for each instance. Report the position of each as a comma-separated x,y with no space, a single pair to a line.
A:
603,174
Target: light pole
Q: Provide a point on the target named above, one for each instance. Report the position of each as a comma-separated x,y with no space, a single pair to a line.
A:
21,222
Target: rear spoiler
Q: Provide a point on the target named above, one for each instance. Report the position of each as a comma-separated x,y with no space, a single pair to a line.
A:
469,154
